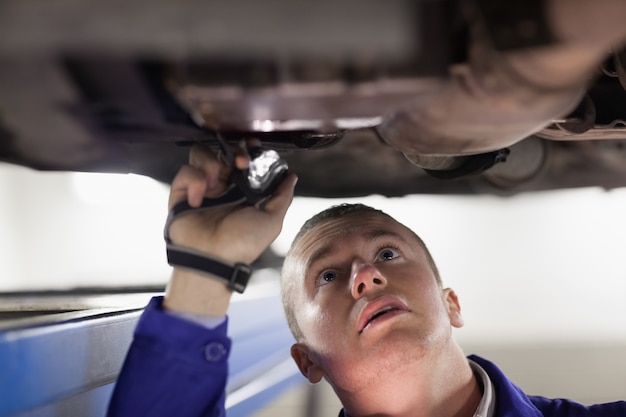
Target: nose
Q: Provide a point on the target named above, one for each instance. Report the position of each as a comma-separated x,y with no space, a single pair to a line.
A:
365,278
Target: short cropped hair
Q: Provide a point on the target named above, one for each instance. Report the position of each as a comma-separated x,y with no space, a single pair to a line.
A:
324,216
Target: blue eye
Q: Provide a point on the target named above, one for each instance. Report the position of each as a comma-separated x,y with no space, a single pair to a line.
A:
388,254
327,276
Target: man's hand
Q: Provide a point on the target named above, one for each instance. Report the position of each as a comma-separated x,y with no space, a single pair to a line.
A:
230,233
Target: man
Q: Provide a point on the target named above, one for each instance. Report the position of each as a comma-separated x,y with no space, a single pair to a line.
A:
362,296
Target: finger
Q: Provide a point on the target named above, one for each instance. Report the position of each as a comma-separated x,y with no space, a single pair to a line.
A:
282,197
242,157
189,184
207,162
242,160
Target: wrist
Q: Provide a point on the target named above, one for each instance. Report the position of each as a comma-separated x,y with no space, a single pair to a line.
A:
235,276
195,293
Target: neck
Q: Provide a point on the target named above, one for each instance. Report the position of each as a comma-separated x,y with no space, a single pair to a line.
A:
439,387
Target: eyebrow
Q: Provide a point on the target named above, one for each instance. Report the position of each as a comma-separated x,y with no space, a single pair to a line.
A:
379,233
317,255
369,236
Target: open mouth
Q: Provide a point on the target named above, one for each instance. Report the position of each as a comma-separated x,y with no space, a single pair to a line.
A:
380,309
381,313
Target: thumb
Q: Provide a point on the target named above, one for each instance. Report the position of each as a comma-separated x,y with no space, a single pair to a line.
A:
282,197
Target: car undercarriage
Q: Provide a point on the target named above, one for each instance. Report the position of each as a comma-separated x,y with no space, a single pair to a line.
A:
128,88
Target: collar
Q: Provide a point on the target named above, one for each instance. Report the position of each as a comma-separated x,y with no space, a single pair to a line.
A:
487,405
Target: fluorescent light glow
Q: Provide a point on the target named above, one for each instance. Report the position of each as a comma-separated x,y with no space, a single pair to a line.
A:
115,189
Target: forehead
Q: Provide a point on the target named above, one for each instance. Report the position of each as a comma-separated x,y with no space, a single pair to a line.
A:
332,233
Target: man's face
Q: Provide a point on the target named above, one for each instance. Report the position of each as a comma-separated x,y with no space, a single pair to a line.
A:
366,300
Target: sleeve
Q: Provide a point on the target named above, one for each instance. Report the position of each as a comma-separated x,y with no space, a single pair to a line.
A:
174,367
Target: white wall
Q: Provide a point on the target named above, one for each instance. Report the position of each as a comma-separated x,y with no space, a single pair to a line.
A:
60,231
10,240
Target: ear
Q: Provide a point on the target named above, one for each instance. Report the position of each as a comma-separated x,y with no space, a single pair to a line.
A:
454,308
301,355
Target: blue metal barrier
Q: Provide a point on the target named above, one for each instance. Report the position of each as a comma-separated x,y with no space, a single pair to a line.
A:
66,364
59,361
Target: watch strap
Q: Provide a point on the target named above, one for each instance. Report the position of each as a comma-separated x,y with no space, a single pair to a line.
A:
234,276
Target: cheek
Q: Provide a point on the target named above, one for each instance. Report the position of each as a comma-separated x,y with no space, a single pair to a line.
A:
439,310
426,296
314,320
322,332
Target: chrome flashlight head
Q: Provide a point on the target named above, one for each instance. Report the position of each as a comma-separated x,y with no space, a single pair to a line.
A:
265,172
